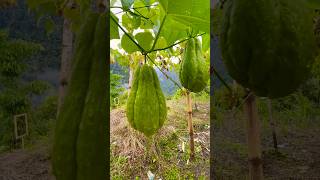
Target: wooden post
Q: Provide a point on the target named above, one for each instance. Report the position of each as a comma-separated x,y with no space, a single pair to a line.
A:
272,126
190,125
254,142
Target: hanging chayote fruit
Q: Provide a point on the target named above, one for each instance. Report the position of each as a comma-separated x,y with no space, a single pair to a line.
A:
268,46
194,71
146,106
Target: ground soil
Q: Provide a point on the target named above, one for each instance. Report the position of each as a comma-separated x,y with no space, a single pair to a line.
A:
33,163
172,145
30,164
298,156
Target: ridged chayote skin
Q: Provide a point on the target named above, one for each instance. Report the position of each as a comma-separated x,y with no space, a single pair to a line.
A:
64,160
268,46
194,73
92,138
146,106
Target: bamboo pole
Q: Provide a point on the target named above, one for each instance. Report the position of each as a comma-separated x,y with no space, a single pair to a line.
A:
190,125
272,126
254,142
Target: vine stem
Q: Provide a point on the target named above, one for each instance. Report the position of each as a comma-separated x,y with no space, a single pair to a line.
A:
142,50
177,84
134,8
242,103
221,79
179,42
146,53
158,34
119,7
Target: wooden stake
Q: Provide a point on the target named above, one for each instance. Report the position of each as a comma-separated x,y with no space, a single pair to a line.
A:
254,142
190,125
272,125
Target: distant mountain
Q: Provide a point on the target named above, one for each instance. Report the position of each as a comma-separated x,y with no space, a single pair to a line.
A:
22,24
167,86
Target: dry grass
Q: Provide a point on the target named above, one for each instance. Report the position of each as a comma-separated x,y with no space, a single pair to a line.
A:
169,155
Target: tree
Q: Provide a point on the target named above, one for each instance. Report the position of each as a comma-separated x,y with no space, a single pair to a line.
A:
66,57
15,93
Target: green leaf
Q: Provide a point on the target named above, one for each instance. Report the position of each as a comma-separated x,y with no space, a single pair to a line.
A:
128,45
172,31
161,43
114,31
146,24
48,8
164,4
126,4
42,9
32,4
127,22
49,26
314,4
136,21
147,2
145,40
84,5
113,2
142,11
153,56
205,42
195,14
72,14
130,23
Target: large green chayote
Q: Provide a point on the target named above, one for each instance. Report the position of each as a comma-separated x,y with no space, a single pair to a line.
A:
268,46
146,106
194,71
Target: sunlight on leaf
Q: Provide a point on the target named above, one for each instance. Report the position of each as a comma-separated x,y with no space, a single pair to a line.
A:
145,39
128,45
114,31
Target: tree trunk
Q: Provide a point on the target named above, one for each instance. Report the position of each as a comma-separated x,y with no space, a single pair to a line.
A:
130,78
66,58
190,125
272,125
254,142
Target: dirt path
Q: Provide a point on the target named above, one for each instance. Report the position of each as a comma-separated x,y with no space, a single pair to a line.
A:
25,165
